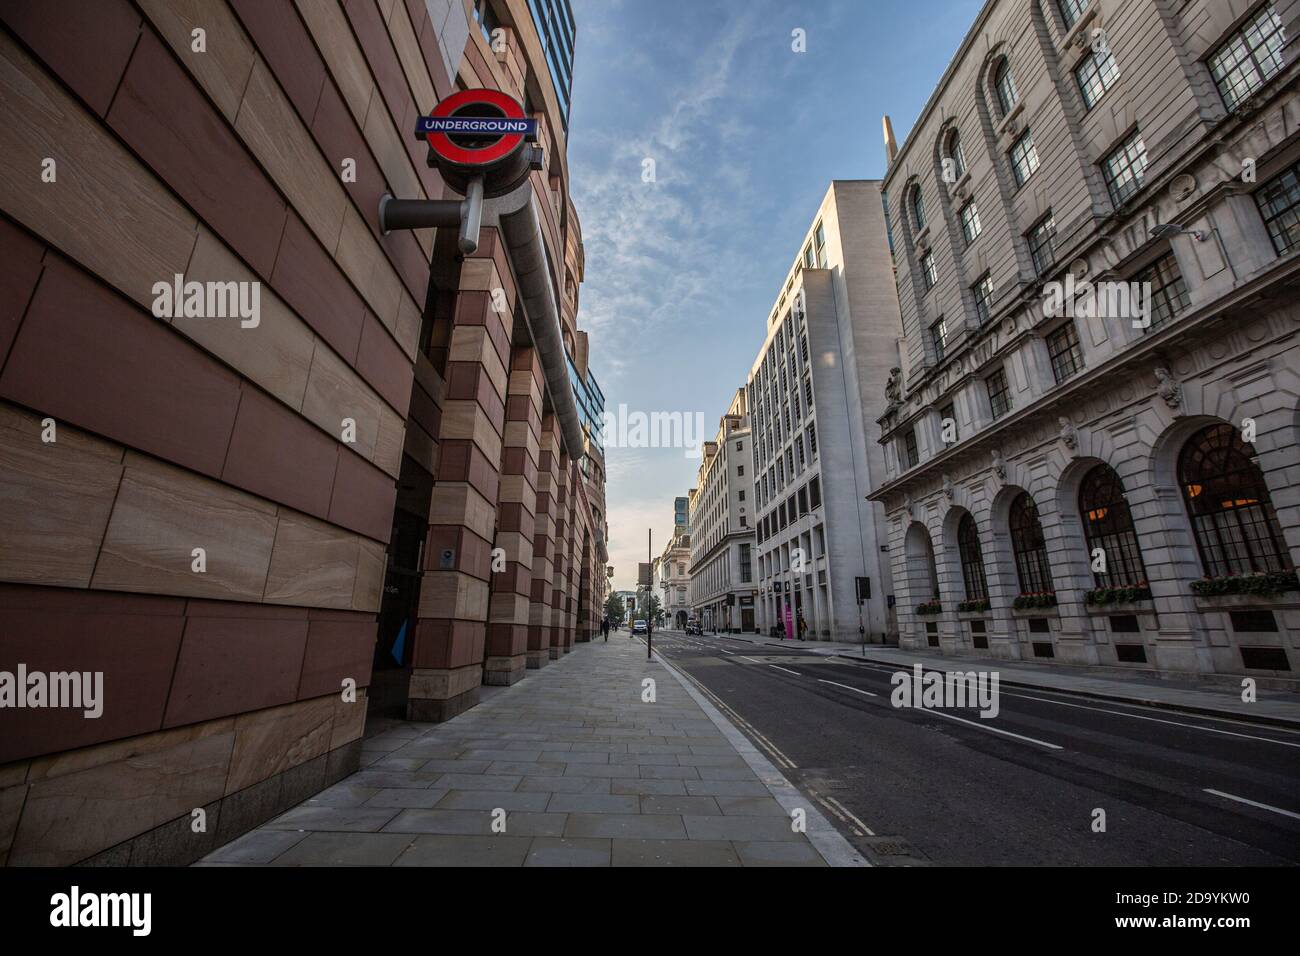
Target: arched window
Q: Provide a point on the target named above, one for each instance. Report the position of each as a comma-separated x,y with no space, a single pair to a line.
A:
956,155
972,559
918,208
1108,524
1029,546
1232,515
1005,84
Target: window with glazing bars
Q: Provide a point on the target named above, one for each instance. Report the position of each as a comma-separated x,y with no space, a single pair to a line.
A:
949,414
1108,524
1071,10
972,559
957,155
911,457
1233,518
1124,169
999,393
928,275
812,439
939,335
983,292
1024,157
1249,58
1063,349
970,222
1168,294
1005,84
1041,239
1279,204
1029,546
1095,74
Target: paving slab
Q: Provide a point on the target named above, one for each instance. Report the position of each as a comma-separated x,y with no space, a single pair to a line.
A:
579,769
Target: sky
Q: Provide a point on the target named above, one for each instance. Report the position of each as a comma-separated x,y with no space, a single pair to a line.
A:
745,135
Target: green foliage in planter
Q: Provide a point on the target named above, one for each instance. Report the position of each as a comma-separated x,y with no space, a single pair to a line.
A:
1260,584
1034,599
1123,594
929,607
978,605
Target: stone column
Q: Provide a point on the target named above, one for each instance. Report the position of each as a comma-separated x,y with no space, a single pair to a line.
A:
559,591
510,607
540,608
448,646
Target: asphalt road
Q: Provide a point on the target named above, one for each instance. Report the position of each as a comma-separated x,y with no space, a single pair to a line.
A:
913,786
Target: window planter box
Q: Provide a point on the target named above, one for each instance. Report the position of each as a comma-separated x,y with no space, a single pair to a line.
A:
1110,597
1211,602
929,609
1270,586
1034,602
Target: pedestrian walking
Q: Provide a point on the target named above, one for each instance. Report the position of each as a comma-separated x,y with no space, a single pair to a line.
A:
803,627
604,629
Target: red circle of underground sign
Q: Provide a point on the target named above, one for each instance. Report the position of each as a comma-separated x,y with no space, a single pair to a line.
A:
444,147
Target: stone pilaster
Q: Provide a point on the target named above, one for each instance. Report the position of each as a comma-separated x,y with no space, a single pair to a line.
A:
540,608
451,632
510,606
559,591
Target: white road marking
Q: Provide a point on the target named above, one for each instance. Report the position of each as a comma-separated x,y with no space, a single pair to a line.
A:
994,730
787,670
1158,720
1121,713
725,651
1262,806
855,690
750,659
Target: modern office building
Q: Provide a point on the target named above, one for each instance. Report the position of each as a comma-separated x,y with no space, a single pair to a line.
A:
723,586
371,488
1092,451
832,338
558,33
681,514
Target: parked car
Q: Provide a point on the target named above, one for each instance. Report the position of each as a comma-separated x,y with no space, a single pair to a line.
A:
694,627
638,627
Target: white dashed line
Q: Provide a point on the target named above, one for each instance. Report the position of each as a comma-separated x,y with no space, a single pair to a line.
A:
1252,803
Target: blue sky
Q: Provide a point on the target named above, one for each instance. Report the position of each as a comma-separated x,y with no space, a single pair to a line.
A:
746,135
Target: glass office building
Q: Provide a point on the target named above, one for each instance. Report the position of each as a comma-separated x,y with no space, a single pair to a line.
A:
555,26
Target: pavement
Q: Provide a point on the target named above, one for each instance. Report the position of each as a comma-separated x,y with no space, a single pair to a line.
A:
1054,777
573,766
1271,706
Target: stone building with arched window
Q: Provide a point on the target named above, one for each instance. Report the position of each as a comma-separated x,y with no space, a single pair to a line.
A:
1093,456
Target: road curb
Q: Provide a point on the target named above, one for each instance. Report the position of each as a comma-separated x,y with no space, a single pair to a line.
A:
826,840
1264,719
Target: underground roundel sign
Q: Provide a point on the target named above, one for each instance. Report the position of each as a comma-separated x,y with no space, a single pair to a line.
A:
476,128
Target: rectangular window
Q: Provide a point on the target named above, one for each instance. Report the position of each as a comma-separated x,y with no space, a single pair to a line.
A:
812,440
1249,58
1040,239
928,275
970,222
911,457
1071,10
1095,74
815,492
983,291
742,494
1279,204
1124,169
808,259
939,335
740,470
819,243
807,392
1168,291
999,393
1024,158
746,568
1063,349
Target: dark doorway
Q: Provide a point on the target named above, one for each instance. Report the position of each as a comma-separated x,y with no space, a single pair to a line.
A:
389,684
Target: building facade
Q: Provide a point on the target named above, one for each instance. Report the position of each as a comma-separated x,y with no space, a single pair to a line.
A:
672,577
372,490
831,337
723,586
1092,447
